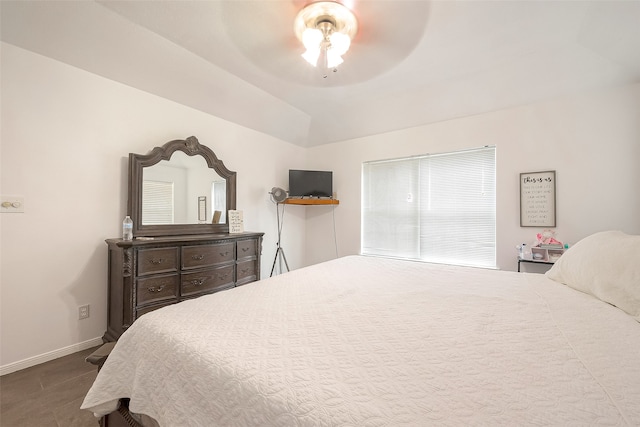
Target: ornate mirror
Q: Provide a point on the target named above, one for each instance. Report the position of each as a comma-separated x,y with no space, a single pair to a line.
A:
180,188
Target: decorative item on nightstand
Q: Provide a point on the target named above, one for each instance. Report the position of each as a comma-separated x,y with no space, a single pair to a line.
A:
548,248
545,250
524,251
539,254
555,254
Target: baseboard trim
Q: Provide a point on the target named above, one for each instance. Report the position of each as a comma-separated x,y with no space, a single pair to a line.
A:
45,357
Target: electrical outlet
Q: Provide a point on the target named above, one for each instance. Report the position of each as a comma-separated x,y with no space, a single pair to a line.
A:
11,204
83,312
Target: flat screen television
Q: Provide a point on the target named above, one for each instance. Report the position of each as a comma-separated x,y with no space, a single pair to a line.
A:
304,183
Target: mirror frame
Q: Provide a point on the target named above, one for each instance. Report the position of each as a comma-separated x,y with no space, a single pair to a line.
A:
192,147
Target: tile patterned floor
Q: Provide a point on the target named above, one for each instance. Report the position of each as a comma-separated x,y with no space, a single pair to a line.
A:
48,395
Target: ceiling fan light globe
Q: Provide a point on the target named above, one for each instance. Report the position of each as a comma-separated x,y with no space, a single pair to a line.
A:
311,56
333,59
326,29
340,43
311,38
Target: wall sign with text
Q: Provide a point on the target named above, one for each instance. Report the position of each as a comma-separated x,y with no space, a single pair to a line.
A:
236,222
538,199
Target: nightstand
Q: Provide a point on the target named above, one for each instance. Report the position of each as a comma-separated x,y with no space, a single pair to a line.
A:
533,261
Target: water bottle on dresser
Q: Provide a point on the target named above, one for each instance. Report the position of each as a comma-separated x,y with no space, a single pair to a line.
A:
127,228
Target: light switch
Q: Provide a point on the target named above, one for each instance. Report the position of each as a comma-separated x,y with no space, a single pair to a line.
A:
12,204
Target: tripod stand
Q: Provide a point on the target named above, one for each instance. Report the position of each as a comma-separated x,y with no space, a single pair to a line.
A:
279,250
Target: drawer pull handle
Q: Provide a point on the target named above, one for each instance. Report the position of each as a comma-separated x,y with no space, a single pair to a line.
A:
244,270
197,257
222,276
198,282
154,289
157,261
245,249
224,253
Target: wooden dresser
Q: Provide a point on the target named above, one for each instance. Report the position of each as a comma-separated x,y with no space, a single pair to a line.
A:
146,274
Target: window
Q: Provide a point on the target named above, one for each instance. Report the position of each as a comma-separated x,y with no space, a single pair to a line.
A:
157,203
435,208
219,197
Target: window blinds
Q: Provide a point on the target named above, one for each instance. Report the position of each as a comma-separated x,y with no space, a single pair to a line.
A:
157,203
436,208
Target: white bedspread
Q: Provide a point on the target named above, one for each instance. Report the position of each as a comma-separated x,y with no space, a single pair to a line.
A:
375,342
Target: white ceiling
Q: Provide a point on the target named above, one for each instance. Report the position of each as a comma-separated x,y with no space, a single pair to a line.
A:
412,62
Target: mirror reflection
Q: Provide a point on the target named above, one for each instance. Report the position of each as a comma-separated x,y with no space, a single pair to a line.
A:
183,190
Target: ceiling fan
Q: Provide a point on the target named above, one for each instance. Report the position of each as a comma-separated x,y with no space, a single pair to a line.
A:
265,33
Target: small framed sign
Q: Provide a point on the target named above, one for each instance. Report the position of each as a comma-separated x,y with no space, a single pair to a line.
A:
538,199
236,222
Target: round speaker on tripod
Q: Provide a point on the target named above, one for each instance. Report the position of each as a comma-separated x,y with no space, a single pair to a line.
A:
278,194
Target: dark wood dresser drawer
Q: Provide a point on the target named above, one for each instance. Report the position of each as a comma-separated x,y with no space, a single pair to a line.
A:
157,288
207,281
159,260
247,248
151,272
207,255
246,272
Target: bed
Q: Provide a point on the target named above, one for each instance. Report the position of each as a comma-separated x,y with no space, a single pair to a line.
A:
363,341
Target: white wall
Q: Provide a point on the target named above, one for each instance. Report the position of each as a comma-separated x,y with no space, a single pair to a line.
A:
66,135
591,140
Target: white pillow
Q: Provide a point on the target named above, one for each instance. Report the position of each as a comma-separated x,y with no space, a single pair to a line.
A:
605,265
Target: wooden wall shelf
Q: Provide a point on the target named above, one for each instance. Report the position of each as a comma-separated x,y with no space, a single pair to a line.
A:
311,202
